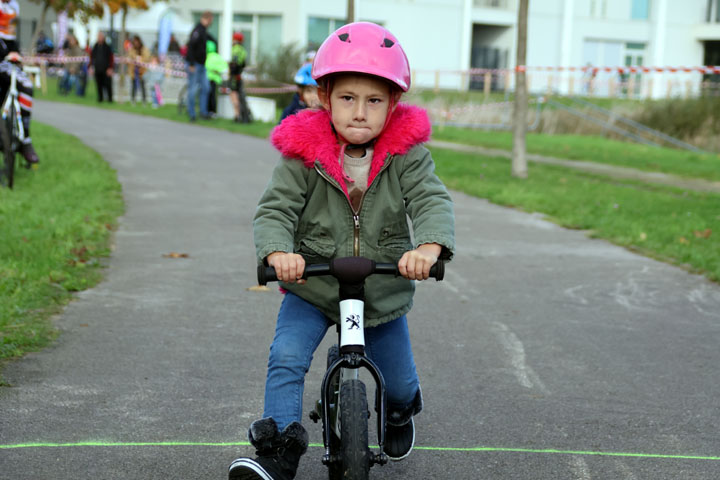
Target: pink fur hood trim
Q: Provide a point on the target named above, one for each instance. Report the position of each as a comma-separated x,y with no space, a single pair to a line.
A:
308,136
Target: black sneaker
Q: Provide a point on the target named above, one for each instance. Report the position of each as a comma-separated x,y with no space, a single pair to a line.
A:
399,440
262,468
28,152
278,454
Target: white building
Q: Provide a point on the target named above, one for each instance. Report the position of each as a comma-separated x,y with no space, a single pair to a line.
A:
446,37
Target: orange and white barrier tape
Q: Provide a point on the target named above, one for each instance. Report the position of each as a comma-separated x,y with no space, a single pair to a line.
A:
707,69
173,69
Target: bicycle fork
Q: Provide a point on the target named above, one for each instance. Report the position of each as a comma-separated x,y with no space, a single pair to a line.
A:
352,358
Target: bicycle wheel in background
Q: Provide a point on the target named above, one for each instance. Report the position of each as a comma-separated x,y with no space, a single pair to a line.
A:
354,450
7,168
182,100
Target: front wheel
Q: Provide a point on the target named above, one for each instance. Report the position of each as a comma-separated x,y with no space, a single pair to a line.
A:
182,100
335,471
354,451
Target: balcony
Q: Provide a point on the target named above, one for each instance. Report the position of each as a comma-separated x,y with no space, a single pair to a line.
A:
498,4
495,12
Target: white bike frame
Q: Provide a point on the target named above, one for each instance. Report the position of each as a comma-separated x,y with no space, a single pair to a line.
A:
11,103
352,334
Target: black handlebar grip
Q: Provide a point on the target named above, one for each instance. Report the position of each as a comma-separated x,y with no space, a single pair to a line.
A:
265,275
437,271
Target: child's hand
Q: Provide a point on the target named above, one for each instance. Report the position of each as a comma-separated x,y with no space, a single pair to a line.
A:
289,267
415,264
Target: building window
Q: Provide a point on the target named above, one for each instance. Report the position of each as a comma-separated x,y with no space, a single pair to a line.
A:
319,29
640,10
269,34
634,54
598,8
244,23
713,11
263,34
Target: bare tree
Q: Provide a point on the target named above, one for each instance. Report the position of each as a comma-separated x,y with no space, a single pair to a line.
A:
519,160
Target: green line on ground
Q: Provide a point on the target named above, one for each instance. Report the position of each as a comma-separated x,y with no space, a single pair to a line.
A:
318,445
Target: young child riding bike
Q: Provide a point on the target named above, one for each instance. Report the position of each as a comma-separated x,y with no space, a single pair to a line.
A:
350,176
11,62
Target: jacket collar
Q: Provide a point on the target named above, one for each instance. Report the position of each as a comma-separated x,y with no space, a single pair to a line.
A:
308,136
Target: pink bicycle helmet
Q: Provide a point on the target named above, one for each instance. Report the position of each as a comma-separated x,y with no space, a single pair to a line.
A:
363,47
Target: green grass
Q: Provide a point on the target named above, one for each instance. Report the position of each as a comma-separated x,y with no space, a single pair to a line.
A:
55,226
167,111
676,226
595,149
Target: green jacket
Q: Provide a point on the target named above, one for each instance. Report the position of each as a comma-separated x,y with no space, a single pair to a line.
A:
305,208
215,66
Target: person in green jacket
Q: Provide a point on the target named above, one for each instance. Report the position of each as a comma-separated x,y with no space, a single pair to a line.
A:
215,66
351,175
238,57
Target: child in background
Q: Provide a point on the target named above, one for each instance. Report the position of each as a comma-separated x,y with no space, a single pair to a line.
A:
156,76
139,55
306,96
215,66
351,173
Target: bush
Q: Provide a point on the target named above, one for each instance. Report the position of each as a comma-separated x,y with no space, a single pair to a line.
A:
280,67
695,120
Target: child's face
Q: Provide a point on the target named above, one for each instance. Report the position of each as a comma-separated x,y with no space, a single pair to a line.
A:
359,106
309,95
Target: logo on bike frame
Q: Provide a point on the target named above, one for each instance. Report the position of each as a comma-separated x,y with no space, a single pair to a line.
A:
354,321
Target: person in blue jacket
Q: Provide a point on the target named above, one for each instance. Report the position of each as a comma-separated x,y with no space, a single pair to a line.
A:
306,95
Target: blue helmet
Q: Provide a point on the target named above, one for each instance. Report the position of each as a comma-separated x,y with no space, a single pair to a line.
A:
303,76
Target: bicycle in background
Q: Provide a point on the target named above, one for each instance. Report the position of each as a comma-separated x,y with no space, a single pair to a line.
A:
12,133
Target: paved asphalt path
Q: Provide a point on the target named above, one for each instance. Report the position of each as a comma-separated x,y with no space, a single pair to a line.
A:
544,346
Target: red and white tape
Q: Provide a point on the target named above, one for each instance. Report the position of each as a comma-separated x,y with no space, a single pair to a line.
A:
708,69
173,69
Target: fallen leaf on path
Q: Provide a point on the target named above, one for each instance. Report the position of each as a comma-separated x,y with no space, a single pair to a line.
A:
703,233
258,288
175,255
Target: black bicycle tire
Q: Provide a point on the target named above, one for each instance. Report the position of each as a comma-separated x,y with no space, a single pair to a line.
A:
182,100
354,452
7,175
335,471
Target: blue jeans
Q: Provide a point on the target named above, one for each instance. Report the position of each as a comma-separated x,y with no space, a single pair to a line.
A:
198,81
300,329
68,82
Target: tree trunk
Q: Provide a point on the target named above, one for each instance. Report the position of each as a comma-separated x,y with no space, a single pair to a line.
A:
39,27
350,11
519,160
121,51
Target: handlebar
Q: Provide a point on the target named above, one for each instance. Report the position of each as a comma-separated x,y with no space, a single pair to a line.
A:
348,270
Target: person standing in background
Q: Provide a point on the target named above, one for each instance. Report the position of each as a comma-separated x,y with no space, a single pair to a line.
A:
70,80
139,56
197,76
216,66
238,55
102,62
9,11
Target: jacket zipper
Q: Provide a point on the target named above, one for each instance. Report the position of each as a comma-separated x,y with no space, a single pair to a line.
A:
356,215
